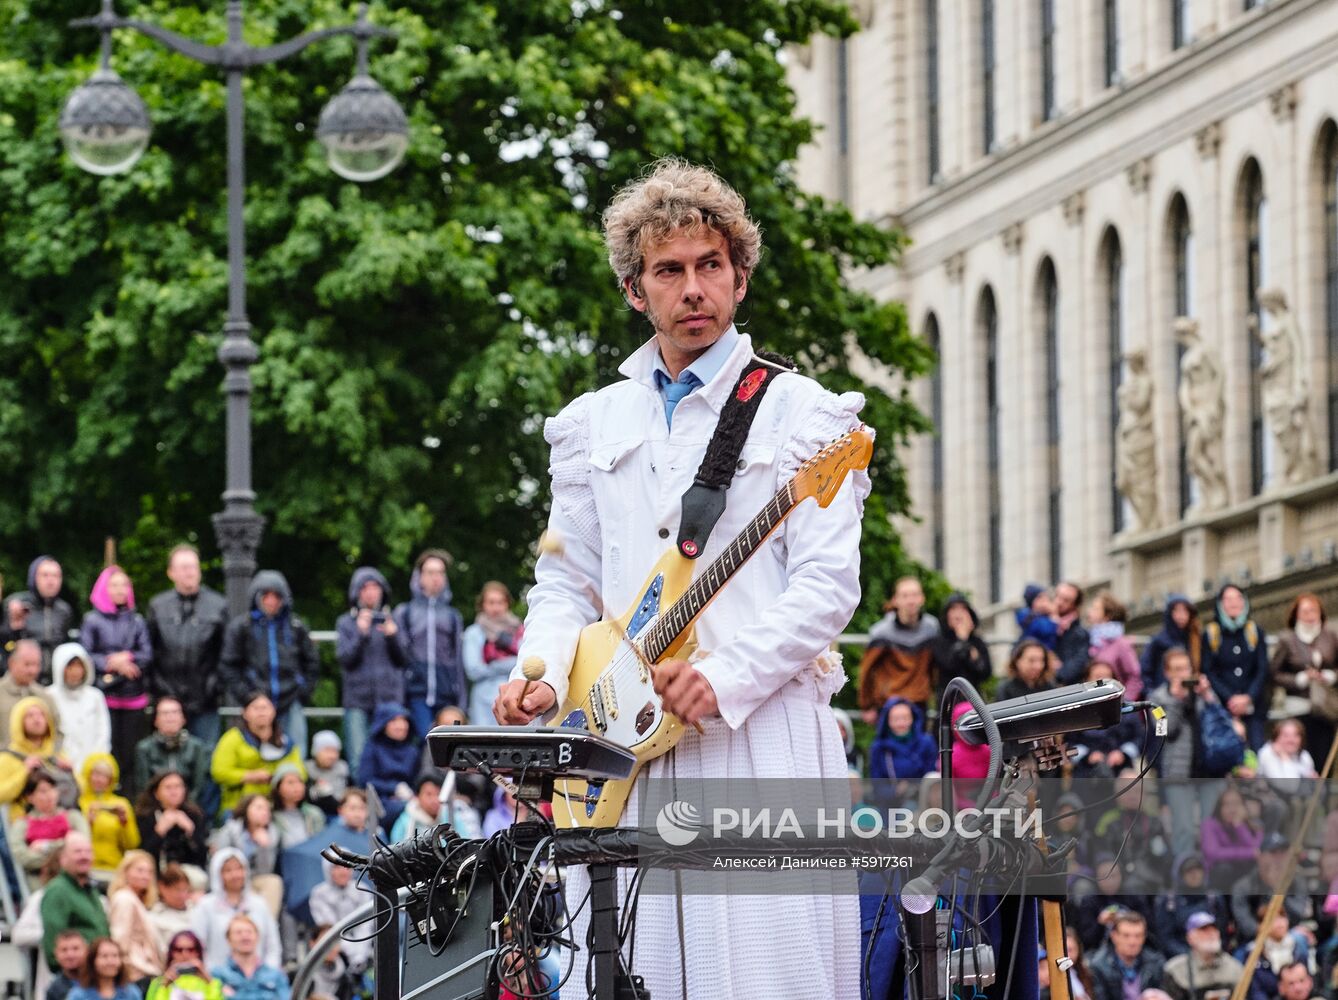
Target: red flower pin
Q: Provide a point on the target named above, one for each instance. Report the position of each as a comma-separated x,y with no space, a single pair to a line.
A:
749,386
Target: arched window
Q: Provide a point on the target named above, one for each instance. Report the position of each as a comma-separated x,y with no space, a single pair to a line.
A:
987,74
988,322
1048,288
1111,17
931,89
1331,282
1182,262
1049,107
936,445
1112,260
1255,230
1180,26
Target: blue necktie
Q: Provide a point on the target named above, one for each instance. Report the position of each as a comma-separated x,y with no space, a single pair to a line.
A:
675,391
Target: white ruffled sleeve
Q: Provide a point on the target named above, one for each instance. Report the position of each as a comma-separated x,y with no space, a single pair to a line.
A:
567,579
821,554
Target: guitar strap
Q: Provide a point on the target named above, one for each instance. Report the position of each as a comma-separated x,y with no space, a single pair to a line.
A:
704,501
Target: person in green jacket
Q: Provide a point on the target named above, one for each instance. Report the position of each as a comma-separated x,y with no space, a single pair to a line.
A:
172,747
247,757
186,974
71,901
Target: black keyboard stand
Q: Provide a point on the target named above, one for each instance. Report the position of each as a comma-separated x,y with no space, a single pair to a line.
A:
611,982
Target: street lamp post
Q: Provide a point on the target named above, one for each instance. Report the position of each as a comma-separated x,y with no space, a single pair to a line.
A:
106,128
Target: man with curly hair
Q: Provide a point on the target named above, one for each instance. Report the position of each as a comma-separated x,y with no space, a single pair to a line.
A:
683,249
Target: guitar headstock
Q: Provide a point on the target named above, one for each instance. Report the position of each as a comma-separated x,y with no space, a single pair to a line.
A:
822,475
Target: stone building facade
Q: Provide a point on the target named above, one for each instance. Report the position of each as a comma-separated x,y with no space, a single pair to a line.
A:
1075,176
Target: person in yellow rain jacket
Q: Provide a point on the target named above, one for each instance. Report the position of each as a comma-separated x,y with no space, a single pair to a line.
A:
247,756
32,745
111,817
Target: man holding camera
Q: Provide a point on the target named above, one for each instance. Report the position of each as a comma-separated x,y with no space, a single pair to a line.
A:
39,613
370,654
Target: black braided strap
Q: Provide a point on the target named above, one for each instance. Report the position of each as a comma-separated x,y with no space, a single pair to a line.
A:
704,501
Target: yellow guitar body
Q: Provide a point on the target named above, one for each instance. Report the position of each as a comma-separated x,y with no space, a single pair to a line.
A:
625,696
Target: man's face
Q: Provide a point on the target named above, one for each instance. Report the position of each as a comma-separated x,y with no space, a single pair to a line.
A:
1271,864
271,603
1176,667
48,579
1066,599
354,813
184,572
169,718
1207,941
71,954
340,875
689,291
1127,938
77,856
242,937
25,664
432,577
326,757
910,598
370,596
1295,984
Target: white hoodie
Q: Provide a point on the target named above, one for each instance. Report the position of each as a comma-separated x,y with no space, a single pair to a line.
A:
85,725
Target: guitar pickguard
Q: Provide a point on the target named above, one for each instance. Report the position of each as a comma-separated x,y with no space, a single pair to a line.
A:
648,608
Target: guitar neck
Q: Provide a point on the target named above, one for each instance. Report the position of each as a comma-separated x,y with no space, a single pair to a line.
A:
683,612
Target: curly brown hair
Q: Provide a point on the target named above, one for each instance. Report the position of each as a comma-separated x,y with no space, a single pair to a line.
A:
676,195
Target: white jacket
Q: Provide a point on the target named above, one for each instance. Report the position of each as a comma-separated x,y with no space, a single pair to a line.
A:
85,724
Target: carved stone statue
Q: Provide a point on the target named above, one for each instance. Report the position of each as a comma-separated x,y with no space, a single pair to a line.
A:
1283,389
1136,444
1202,410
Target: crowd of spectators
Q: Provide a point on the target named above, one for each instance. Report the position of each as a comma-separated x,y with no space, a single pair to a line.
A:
158,852
1169,876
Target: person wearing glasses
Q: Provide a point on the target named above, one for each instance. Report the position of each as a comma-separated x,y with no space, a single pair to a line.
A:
185,974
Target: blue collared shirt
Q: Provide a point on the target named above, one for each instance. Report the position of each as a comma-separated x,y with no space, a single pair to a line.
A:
705,368
268,983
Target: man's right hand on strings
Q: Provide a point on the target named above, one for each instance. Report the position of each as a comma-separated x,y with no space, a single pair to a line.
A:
509,710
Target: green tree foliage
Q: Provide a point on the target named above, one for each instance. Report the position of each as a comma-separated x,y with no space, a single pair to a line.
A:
414,332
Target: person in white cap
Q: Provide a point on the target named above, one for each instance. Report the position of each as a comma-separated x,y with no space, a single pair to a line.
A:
1203,969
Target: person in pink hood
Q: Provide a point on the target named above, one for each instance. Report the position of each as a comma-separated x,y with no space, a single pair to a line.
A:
117,639
970,765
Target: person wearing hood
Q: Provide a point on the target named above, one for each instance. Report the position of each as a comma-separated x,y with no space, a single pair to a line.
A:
111,817
959,651
1034,619
186,626
489,647
899,659
81,709
230,894
1189,894
1106,621
248,755
390,759
1235,658
431,632
117,637
1180,627
39,613
1305,665
270,649
901,753
32,746
369,653
21,681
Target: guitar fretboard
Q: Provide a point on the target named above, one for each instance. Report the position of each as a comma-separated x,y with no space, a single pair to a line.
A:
681,614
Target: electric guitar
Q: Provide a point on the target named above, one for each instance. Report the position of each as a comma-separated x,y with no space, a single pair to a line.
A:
611,690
